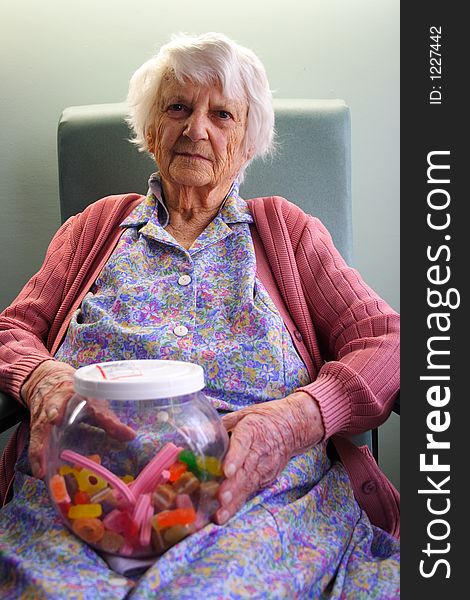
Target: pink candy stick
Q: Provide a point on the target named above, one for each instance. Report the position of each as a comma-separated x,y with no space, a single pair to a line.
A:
140,510
148,477
146,530
103,472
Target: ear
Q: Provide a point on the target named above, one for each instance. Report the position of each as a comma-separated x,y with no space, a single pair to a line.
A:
249,154
150,138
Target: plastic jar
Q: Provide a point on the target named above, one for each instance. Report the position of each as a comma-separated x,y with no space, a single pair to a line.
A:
135,488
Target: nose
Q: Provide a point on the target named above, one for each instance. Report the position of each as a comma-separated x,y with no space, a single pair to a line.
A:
196,127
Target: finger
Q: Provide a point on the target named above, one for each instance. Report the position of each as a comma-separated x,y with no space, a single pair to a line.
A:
239,447
37,447
108,420
56,403
232,497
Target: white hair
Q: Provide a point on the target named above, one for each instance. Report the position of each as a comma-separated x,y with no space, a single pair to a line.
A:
205,59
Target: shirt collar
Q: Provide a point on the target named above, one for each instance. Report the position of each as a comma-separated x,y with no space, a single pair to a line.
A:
232,210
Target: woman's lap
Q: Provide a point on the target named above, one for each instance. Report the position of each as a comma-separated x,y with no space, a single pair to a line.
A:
303,537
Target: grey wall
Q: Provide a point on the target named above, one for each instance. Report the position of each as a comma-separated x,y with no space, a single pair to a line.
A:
57,53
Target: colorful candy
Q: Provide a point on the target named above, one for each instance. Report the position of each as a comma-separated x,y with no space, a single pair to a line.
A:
176,470
163,497
177,516
81,498
78,511
175,534
111,541
89,482
210,464
186,484
58,489
188,457
89,529
173,496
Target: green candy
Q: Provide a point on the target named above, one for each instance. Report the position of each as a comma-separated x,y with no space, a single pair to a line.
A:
188,457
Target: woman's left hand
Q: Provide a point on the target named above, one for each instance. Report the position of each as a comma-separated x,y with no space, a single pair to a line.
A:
263,438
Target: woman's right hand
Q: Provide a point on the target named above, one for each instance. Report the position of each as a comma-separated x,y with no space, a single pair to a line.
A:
46,393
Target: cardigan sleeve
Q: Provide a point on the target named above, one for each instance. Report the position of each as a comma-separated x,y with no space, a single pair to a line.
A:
25,324
358,333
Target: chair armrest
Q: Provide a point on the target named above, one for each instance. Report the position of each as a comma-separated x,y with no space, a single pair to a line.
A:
11,412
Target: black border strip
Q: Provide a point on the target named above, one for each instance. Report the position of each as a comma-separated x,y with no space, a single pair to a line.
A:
434,289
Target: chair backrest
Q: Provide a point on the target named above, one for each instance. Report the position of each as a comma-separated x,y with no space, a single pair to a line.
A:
311,166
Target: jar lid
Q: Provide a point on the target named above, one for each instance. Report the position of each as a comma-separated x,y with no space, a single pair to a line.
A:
139,379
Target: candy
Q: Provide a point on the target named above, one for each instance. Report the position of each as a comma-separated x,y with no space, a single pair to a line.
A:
71,483
89,529
186,484
183,501
208,502
90,482
163,497
120,521
111,541
78,511
188,457
210,464
175,534
177,516
127,478
141,509
157,541
208,489
64,508
169,485
96,458
106,498
81,498
105,495
66,469
176,470
58,489
146,529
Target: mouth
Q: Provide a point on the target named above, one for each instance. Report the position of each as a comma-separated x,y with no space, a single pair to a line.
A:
191,156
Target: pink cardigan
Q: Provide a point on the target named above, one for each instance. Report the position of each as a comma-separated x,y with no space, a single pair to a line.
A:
347,336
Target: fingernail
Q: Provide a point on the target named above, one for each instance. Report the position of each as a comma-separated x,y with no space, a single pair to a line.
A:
52,412
223,515
226,497
230,470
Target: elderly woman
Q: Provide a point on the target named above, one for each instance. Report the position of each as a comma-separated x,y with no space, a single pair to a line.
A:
296,348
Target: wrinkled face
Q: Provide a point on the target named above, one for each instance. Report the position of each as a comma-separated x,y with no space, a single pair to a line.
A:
198,136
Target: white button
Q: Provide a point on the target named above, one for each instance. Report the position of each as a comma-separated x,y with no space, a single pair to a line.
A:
180,330
184,280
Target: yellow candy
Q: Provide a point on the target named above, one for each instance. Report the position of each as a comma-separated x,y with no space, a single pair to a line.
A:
127,478
78,511
210,464
89,482
66,469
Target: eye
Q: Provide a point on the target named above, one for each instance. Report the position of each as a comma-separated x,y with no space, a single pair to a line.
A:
224,115
177,108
